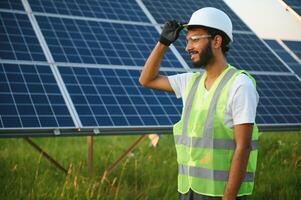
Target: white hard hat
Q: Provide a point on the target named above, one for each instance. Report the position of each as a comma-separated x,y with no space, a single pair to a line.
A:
212,18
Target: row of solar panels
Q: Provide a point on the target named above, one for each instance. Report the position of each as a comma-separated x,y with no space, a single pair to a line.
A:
113,97
107,43
86,74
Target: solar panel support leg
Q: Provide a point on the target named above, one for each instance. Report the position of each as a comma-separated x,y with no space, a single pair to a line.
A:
90,155
46,155
122,157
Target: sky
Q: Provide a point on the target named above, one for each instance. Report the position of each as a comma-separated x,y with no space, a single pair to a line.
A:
269,19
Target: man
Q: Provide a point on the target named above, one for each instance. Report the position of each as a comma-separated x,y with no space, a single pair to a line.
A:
216,137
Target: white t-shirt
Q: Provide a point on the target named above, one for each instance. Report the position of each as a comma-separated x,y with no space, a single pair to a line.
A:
242,101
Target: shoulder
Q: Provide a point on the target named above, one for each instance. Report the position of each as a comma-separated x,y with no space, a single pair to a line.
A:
243,80
243,83
243,87
243,100
179,82
183,77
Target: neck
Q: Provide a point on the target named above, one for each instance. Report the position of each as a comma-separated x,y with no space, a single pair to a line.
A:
216,68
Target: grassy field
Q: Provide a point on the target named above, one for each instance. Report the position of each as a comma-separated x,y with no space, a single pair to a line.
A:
147,174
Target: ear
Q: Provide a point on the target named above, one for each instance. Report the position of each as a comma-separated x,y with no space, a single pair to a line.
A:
217,42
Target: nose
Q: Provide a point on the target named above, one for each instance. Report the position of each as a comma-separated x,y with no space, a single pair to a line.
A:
188,47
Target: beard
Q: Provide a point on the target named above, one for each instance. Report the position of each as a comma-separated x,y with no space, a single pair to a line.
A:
206,57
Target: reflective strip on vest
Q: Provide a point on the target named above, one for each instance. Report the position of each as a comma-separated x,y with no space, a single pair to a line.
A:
210,117
217,175
189,103
208,142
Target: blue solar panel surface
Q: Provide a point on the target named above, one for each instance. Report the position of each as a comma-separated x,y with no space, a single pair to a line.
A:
295,46
298,10
114,97
118,10
280,101
90,42
17,38
293,2
285,56
107,97
182,10
11,4
30,97
109,35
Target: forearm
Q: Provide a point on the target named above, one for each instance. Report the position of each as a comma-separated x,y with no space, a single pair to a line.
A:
152,65
237,172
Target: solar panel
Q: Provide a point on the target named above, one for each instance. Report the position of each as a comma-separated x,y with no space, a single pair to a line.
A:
17,38
295,5
118,10
30,98
114,97
100,48
280,101
247,52
182,10
295,46
11,4
285,56
90,42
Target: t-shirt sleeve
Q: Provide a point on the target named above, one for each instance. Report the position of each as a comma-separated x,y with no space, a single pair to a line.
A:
179,82
245,101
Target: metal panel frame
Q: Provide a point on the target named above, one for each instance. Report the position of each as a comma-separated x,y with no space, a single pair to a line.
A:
109,131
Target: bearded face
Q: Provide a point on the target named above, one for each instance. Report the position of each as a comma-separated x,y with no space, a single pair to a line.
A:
205,56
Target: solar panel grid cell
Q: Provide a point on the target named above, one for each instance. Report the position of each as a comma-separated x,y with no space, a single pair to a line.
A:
17,38
285,56
279,99
293,2
89,42
182,10
113,97
127,10
295,46
11,5
30,97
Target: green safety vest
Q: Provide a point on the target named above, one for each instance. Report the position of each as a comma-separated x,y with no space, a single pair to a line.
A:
204,144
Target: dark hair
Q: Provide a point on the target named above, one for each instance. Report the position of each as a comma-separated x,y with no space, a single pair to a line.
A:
225,39
213,32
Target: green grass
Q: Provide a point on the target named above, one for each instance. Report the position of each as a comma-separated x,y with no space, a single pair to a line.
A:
146,174
279,167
